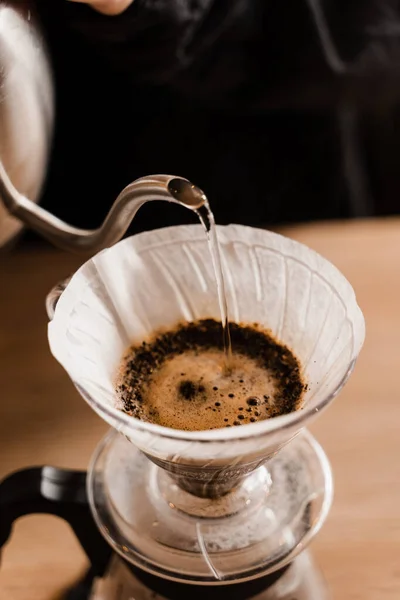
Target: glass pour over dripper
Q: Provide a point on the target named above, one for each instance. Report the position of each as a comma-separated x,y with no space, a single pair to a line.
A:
227,504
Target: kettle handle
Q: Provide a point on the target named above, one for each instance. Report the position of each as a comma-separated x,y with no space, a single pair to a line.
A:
59,492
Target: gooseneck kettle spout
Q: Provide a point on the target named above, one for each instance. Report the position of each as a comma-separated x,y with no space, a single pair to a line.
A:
120,216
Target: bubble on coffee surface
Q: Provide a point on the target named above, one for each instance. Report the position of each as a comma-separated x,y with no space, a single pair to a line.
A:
177,378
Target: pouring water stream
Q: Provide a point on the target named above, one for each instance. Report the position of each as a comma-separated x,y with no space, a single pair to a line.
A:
207,219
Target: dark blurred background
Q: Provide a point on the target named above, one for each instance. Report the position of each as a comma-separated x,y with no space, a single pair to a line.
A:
281,111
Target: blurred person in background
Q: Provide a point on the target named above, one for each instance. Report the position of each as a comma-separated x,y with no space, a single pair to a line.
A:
281,110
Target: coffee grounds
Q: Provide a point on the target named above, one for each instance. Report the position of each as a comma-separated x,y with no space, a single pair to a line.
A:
142,363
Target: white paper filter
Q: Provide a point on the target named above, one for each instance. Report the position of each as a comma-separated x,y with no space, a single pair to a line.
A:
158,278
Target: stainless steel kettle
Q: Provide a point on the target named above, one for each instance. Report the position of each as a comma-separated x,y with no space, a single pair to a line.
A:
26,105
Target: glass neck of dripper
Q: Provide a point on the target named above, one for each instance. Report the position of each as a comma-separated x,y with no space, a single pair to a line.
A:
205,481
207,498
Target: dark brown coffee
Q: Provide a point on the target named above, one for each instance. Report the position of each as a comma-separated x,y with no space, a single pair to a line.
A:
177,378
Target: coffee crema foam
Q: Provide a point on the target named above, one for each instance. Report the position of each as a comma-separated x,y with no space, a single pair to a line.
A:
177,378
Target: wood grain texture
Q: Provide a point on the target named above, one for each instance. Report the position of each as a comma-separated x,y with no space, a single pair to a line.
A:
43,420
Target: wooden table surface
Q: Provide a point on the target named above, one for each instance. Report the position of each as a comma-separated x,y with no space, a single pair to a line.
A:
44,421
